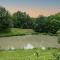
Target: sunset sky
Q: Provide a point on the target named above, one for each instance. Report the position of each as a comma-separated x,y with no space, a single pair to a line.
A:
32,7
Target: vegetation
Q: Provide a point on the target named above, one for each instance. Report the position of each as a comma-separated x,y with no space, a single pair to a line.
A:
58,33
21,23
49,24
20,20
17,32
5,20
34,54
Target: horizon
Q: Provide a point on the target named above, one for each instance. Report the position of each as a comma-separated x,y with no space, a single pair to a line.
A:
31,7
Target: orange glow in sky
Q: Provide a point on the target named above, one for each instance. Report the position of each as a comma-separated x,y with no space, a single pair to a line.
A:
34,12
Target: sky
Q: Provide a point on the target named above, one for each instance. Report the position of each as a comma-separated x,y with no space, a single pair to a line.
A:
32,7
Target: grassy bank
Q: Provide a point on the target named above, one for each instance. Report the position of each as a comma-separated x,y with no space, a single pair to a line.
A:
17,32
34,54
21,32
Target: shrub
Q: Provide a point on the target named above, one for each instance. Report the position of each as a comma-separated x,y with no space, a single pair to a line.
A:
58,34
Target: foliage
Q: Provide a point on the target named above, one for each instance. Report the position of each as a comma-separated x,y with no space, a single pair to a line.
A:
54,26
41,24
49,24
21,20
5,19
58,33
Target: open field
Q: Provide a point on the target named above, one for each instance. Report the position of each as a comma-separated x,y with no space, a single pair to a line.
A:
34,54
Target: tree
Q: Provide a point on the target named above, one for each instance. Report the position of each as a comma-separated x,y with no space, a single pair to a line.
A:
55,16
54,23
5,19
41,24
47,24
54,26
21,20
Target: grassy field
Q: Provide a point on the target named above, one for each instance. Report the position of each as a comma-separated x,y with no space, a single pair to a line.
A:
34,54
17,32
21,32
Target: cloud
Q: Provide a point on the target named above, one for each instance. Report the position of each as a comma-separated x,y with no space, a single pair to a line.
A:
45,12
33,11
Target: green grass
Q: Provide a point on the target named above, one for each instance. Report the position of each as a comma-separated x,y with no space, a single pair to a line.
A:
48,54
17,32
20,32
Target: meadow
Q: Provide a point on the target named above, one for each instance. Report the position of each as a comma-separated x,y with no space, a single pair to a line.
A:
31,54
17,32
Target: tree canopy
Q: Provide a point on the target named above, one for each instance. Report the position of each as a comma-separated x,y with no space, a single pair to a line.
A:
49,24
21,20
5,19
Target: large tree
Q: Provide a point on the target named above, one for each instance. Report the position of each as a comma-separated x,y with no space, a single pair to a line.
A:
21,20
49,24
41,24
54,23
5,19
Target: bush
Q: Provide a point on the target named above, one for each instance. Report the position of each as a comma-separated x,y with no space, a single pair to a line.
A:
58,34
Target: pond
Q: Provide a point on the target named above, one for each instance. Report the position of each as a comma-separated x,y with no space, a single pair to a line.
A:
28,42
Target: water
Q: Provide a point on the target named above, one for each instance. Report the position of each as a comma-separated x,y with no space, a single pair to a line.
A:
29,42
29,46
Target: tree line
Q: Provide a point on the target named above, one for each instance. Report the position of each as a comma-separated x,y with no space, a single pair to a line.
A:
48,24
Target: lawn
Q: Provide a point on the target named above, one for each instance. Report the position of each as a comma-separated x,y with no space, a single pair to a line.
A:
34,54
17,32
